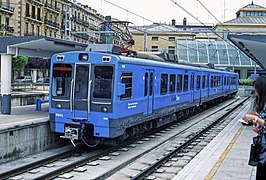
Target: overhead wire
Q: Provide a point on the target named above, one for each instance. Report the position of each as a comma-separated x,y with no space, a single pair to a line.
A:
204,25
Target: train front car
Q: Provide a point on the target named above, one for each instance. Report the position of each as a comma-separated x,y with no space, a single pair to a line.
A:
76,104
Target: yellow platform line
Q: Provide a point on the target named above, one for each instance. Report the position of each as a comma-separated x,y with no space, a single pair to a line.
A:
222,157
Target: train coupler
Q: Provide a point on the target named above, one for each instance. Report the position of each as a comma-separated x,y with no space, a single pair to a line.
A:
72,132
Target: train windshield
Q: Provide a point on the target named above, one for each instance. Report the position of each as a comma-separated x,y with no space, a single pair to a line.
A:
61,80
103,76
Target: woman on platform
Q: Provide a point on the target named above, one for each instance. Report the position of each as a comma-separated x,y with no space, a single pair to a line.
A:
258,119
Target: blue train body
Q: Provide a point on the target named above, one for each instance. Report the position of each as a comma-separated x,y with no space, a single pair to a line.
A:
99,96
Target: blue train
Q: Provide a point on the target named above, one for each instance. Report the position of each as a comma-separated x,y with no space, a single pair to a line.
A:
101,96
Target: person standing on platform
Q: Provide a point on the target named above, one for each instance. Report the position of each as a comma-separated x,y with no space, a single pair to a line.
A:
258,119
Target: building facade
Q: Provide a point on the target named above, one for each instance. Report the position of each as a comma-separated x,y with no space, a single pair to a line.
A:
61,19
205,44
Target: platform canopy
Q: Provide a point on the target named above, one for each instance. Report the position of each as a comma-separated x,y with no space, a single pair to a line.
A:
37,46
254,46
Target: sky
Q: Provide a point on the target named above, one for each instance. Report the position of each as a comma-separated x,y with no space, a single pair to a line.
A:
146,12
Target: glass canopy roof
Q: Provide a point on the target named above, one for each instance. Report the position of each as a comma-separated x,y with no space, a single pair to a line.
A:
218,52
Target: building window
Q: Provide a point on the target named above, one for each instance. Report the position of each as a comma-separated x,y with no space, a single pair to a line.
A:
54,34
33,12
38,30
27,10
164,83
39,13
154,38
171,49
171,38
26,28
7,22
154,48
126,78
32,29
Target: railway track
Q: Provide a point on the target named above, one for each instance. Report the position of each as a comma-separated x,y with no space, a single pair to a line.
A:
103,162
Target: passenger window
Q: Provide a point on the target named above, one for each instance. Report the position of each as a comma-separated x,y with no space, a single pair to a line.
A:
203,81
198,82
146,85
172,83
212,81
185,83
103,82
164,83
151,84
233,81
192,82
179,83
126,78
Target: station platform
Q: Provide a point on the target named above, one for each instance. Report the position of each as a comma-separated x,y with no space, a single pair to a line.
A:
23,115
225,157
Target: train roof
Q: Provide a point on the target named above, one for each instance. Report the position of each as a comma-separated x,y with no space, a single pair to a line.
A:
166,64
158,59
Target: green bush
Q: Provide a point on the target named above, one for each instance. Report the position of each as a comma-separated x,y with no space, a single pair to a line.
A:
246,82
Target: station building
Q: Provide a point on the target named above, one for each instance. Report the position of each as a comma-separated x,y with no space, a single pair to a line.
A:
207,43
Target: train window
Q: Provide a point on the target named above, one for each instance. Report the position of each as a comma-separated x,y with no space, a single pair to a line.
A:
172,83
233,81
151,83
224,80
164,83
212,81
61,82
179,83
192,82
146,84
198,82
126,78
203,81
219,81
103,77
185,83
81,84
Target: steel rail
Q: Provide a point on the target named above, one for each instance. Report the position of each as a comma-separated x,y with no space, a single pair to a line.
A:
145,172
39,163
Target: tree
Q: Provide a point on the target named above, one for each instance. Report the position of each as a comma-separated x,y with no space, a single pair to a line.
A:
19,62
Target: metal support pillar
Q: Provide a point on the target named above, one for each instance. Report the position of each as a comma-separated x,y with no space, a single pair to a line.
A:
6,67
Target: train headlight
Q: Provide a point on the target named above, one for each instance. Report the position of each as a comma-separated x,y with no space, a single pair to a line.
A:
58,105
83,57
104,109
60,57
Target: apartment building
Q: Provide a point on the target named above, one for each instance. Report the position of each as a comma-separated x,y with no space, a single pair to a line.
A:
62,19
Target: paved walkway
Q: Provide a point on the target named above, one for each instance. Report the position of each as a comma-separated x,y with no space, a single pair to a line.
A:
225,157
22,115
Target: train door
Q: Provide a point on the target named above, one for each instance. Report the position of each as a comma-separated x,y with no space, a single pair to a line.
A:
149,89
81,91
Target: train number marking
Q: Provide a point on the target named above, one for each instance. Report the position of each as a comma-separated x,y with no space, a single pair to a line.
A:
59,115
